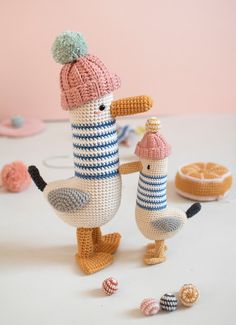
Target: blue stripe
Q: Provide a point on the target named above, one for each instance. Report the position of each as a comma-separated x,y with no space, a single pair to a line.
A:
150,190
151,208
97,166
154,184
153,177
97,176
93,126
97,156
94,136
96,146
151,201
149,195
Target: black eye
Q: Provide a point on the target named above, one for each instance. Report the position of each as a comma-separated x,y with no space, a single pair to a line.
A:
102,107
148,166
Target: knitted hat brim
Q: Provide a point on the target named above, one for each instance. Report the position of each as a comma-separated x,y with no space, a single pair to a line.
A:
153,153
87,92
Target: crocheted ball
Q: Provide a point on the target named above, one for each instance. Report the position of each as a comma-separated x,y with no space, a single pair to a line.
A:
153,125
168,302
68,47
188,295
149,306
15,177
17,121
110,286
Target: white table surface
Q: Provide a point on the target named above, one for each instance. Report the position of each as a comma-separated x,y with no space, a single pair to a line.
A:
40,283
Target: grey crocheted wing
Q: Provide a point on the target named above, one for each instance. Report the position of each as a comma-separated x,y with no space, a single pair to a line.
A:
167,224
68,199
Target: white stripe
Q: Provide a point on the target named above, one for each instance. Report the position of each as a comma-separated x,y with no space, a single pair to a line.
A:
92,152
151,205
96,162
98,131
101,140
151,198
152,187
97,170
152,193
153,180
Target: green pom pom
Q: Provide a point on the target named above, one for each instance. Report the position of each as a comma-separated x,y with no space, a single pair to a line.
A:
68,47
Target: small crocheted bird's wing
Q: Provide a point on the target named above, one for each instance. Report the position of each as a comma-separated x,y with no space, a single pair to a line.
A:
167,224
68,199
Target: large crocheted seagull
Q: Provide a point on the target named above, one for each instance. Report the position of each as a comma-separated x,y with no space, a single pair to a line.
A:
91,198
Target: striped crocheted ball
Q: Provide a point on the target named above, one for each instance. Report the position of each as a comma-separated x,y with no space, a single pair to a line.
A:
149,306
168,302
110,286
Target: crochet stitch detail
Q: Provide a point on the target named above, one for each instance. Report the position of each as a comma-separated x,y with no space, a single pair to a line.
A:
68,199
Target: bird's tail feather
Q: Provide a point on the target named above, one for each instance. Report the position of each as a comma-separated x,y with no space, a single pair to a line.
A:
194,209
38,180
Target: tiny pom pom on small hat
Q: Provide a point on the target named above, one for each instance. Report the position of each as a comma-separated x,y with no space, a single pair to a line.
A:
153,145
83,77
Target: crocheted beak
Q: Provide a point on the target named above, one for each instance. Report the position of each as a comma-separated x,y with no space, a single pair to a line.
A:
131,105
132,167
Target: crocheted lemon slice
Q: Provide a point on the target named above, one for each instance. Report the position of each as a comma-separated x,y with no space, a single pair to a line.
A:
203,181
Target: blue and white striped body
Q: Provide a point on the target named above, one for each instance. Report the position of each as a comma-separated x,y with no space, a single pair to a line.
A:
151,203
95,150
151,195
96,162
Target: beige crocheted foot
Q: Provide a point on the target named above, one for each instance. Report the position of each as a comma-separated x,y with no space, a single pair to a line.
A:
152,259
108,243
155,253
94,263
151,247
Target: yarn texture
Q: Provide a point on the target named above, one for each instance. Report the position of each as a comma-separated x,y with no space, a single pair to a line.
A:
189,295
168,302
83,77
110,286
203,181
154,218
15,177
68,47
90,198
149,307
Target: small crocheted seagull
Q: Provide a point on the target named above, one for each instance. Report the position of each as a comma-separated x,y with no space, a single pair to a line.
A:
155,220
91,198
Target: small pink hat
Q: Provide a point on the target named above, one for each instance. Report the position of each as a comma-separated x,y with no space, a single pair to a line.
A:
153,145
83,77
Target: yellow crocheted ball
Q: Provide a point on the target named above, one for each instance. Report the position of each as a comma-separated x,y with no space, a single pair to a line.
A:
189,295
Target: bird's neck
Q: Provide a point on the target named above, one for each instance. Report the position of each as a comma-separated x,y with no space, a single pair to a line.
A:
95,149
152,189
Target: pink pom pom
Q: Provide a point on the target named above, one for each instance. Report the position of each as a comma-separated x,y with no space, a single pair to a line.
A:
15,177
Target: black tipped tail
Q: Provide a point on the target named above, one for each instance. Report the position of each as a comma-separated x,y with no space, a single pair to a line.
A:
38,180
194,209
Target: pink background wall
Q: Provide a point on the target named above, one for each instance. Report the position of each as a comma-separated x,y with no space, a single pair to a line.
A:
181,52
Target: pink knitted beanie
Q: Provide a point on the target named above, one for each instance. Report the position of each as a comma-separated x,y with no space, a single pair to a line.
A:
153,145
83,77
